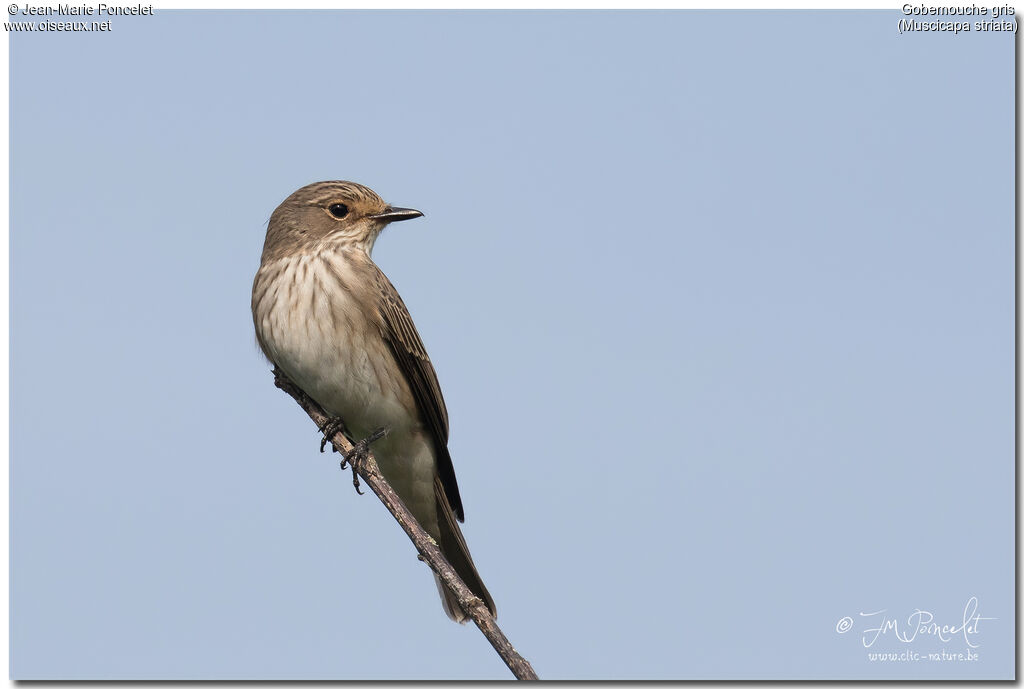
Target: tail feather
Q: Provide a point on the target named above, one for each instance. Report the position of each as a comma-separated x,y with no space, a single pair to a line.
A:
455,550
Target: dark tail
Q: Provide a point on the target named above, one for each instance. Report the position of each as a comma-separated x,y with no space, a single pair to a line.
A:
454,548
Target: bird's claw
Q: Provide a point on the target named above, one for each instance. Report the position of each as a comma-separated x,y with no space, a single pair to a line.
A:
358,454
329,428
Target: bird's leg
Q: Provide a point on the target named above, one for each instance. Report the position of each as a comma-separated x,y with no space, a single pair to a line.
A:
330,427
359,453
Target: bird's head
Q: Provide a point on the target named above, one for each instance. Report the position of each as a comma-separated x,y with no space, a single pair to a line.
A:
341,213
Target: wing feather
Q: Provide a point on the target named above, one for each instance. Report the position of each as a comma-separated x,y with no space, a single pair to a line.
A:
400,333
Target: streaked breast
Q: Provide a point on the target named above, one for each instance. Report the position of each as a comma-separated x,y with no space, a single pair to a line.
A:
313,320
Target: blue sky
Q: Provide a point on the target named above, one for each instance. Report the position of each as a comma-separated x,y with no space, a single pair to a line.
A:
721,304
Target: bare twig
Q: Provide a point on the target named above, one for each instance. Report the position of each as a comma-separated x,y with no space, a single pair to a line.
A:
428,549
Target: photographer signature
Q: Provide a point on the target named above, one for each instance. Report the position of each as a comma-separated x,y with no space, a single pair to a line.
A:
920,623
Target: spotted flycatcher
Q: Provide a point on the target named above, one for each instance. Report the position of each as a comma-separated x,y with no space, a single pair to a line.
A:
328,317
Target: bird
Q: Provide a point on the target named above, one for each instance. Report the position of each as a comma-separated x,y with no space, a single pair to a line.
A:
333,323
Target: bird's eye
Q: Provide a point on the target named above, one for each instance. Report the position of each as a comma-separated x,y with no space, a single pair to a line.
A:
338,210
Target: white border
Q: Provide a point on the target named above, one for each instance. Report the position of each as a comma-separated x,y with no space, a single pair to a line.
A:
336,4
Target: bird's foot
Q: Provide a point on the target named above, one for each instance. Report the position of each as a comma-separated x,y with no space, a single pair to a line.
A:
330,427
358,454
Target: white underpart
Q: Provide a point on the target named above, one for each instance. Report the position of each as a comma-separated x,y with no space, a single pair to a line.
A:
343,365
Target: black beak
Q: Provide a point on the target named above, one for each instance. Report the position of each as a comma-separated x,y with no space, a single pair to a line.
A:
395,214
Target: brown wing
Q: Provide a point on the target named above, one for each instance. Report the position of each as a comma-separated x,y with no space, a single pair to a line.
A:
405,343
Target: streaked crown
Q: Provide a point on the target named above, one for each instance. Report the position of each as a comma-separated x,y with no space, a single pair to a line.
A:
338,213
